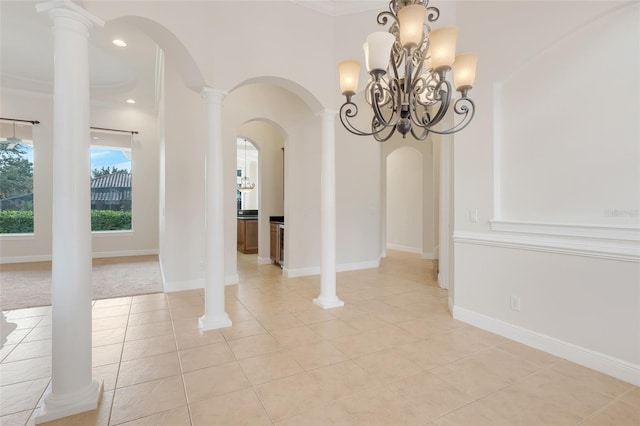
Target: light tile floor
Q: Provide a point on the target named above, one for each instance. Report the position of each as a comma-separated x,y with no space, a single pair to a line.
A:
391,356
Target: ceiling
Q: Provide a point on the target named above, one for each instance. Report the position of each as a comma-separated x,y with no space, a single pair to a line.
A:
342,7
116,73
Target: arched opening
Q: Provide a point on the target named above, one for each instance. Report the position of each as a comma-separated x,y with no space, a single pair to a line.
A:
280,118
175,137
268,139
404,201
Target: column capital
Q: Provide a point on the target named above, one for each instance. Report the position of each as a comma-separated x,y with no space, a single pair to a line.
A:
210,94
69,9
327,113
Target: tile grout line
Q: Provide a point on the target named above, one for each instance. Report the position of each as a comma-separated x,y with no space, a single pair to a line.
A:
175,341
115,384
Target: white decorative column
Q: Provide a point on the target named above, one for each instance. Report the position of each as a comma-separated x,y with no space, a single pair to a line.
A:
72,389
328,298
214,313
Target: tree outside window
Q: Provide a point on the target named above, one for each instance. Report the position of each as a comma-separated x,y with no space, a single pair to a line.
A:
111,207
16,179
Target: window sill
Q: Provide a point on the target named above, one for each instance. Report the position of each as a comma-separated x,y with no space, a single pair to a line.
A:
112,233
18,237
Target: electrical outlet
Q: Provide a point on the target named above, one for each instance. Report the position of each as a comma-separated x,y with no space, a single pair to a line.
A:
473,215
515,303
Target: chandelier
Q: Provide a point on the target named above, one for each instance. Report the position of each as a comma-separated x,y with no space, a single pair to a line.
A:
408,90
245,184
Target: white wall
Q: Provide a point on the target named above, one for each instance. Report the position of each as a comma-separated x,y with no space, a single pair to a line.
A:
546,156
143,238
358,201
597,162
182,245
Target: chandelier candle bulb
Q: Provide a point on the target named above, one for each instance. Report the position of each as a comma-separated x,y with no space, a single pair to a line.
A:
464,72
349,74
411,20
378,50
443,47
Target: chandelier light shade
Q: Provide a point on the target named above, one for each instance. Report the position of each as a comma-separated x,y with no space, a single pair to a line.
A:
411,21
464,71
377,50
349,74
443,47
408,89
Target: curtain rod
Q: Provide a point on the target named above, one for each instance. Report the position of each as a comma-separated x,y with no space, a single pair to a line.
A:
133,132
16,120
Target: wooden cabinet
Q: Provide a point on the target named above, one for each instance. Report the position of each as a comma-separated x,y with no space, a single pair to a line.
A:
248,236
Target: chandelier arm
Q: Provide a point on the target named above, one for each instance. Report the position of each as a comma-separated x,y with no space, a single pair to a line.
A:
433,13
460,108
444,101
423,135
346,112
377,136
383,17
425,122
377,99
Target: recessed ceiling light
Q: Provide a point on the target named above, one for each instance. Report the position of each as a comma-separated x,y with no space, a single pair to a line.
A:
119,43
131,101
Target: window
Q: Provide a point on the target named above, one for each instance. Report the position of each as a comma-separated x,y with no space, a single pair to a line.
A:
16,178
110,181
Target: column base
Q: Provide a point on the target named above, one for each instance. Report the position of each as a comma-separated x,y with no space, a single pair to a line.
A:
53,407
5,329
214,322
328,303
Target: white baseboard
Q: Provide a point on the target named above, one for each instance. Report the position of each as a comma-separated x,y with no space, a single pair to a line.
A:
342,267
264,260
357,265
430,255
231,279
301,272
406,249
25,259
442,282
171,286
603,363
96,255
125,253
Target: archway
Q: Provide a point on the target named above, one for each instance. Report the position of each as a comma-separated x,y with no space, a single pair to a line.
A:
404,200
269,103
269,140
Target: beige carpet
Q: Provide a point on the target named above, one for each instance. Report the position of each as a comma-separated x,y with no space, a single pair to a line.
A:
25,285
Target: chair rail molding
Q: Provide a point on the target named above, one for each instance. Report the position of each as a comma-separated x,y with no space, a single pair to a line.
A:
608,232
596,241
